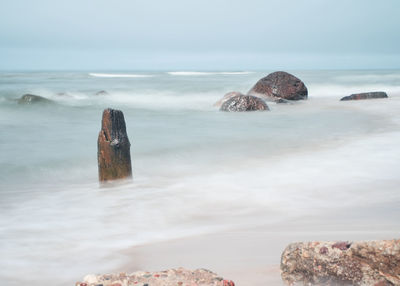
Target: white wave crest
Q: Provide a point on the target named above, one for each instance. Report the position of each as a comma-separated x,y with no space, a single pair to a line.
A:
120,75
194,73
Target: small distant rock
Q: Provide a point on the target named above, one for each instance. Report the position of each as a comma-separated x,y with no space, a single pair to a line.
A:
102,92
280,85
226,97
244,103
62,94
342,263
171,277
33,99
366,95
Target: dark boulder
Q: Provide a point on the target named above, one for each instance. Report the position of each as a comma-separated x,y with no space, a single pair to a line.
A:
366,95
244,103
33,99
226,97
114,158
342,263
280,85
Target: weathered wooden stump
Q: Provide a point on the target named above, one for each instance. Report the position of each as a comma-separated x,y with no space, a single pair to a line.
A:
113,153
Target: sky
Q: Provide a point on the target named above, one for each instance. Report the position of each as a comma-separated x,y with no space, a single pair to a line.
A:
199,35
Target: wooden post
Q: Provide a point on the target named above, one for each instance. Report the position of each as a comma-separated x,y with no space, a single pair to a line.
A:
113,153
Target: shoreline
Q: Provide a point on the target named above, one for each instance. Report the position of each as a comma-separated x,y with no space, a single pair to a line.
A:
247,256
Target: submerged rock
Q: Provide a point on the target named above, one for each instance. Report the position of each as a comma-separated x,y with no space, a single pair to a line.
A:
63,94
101,92
33,99
244,103
365,95
226,97
171,277
342,263
280,85
283,101
114,158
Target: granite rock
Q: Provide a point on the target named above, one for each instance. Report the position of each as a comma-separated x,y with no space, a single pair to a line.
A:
365,95
226,97
280,85
171,277
244,103
362,263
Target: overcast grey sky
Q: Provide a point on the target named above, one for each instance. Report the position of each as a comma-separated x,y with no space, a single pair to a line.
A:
199,35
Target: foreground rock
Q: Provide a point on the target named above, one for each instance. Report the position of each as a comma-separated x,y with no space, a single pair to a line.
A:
244,103
172,277
33,99
280,85
114,158
342,263
226,97
366,95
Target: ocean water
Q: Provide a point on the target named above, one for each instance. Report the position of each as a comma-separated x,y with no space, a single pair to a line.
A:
196,170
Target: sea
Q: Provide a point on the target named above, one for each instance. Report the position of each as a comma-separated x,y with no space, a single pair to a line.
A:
196,170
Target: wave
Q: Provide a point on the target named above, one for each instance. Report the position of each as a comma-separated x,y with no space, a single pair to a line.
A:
340,90
194,73
387,78
161,100
110,75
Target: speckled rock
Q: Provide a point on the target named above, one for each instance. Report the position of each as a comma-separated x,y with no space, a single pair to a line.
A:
171,277
342,263
226,97
365,95
244,103
33,99
280,85
113,147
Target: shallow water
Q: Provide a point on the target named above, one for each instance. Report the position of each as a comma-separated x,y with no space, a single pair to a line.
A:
196,170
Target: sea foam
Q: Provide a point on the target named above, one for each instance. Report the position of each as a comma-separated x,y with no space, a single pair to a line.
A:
111,75
198,73
195,170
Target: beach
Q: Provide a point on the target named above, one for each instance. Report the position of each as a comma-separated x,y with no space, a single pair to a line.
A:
247,256
222,191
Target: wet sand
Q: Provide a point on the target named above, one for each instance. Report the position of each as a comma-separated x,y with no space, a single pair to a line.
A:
251,256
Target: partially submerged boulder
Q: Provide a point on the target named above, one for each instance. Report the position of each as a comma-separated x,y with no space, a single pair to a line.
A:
33,99
114,157
280,85
244,103
226,97
171,277
365,95
342,263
